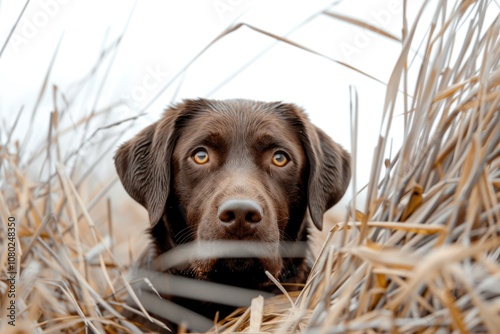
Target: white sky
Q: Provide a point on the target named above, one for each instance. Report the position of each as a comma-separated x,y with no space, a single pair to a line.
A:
163,36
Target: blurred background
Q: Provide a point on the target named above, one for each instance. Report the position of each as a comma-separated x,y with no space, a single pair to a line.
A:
109,68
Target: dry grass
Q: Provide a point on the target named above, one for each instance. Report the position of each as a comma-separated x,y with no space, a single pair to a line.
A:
423,256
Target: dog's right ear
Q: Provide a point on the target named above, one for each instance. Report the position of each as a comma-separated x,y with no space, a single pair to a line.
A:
143,163
143,168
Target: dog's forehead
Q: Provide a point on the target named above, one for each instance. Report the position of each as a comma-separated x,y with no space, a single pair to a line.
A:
245,120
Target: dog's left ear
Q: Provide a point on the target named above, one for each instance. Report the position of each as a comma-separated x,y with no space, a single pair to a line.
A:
329,167
329,175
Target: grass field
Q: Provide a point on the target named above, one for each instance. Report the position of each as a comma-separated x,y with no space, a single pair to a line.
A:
421,257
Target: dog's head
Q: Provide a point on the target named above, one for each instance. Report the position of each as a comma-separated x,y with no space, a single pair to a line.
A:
233,170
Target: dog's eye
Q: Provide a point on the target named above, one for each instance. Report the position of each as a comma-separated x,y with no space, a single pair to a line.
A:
280,159
200,157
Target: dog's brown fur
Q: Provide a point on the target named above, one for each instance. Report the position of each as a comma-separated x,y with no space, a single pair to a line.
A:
184,198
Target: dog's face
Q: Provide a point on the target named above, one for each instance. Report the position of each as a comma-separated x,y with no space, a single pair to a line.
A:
238,174
233,170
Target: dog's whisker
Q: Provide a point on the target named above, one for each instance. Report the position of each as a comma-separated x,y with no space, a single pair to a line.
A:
183,234
187,236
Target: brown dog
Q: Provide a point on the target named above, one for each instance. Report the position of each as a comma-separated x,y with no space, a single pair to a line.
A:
234,170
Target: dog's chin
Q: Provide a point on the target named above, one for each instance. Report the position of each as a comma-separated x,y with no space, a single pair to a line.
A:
239,265
243,272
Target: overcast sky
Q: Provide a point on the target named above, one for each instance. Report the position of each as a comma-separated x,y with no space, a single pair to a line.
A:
162,37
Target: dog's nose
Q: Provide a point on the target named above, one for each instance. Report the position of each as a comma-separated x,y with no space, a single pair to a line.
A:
239,215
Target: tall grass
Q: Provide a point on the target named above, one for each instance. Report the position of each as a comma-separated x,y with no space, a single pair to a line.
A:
424,254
